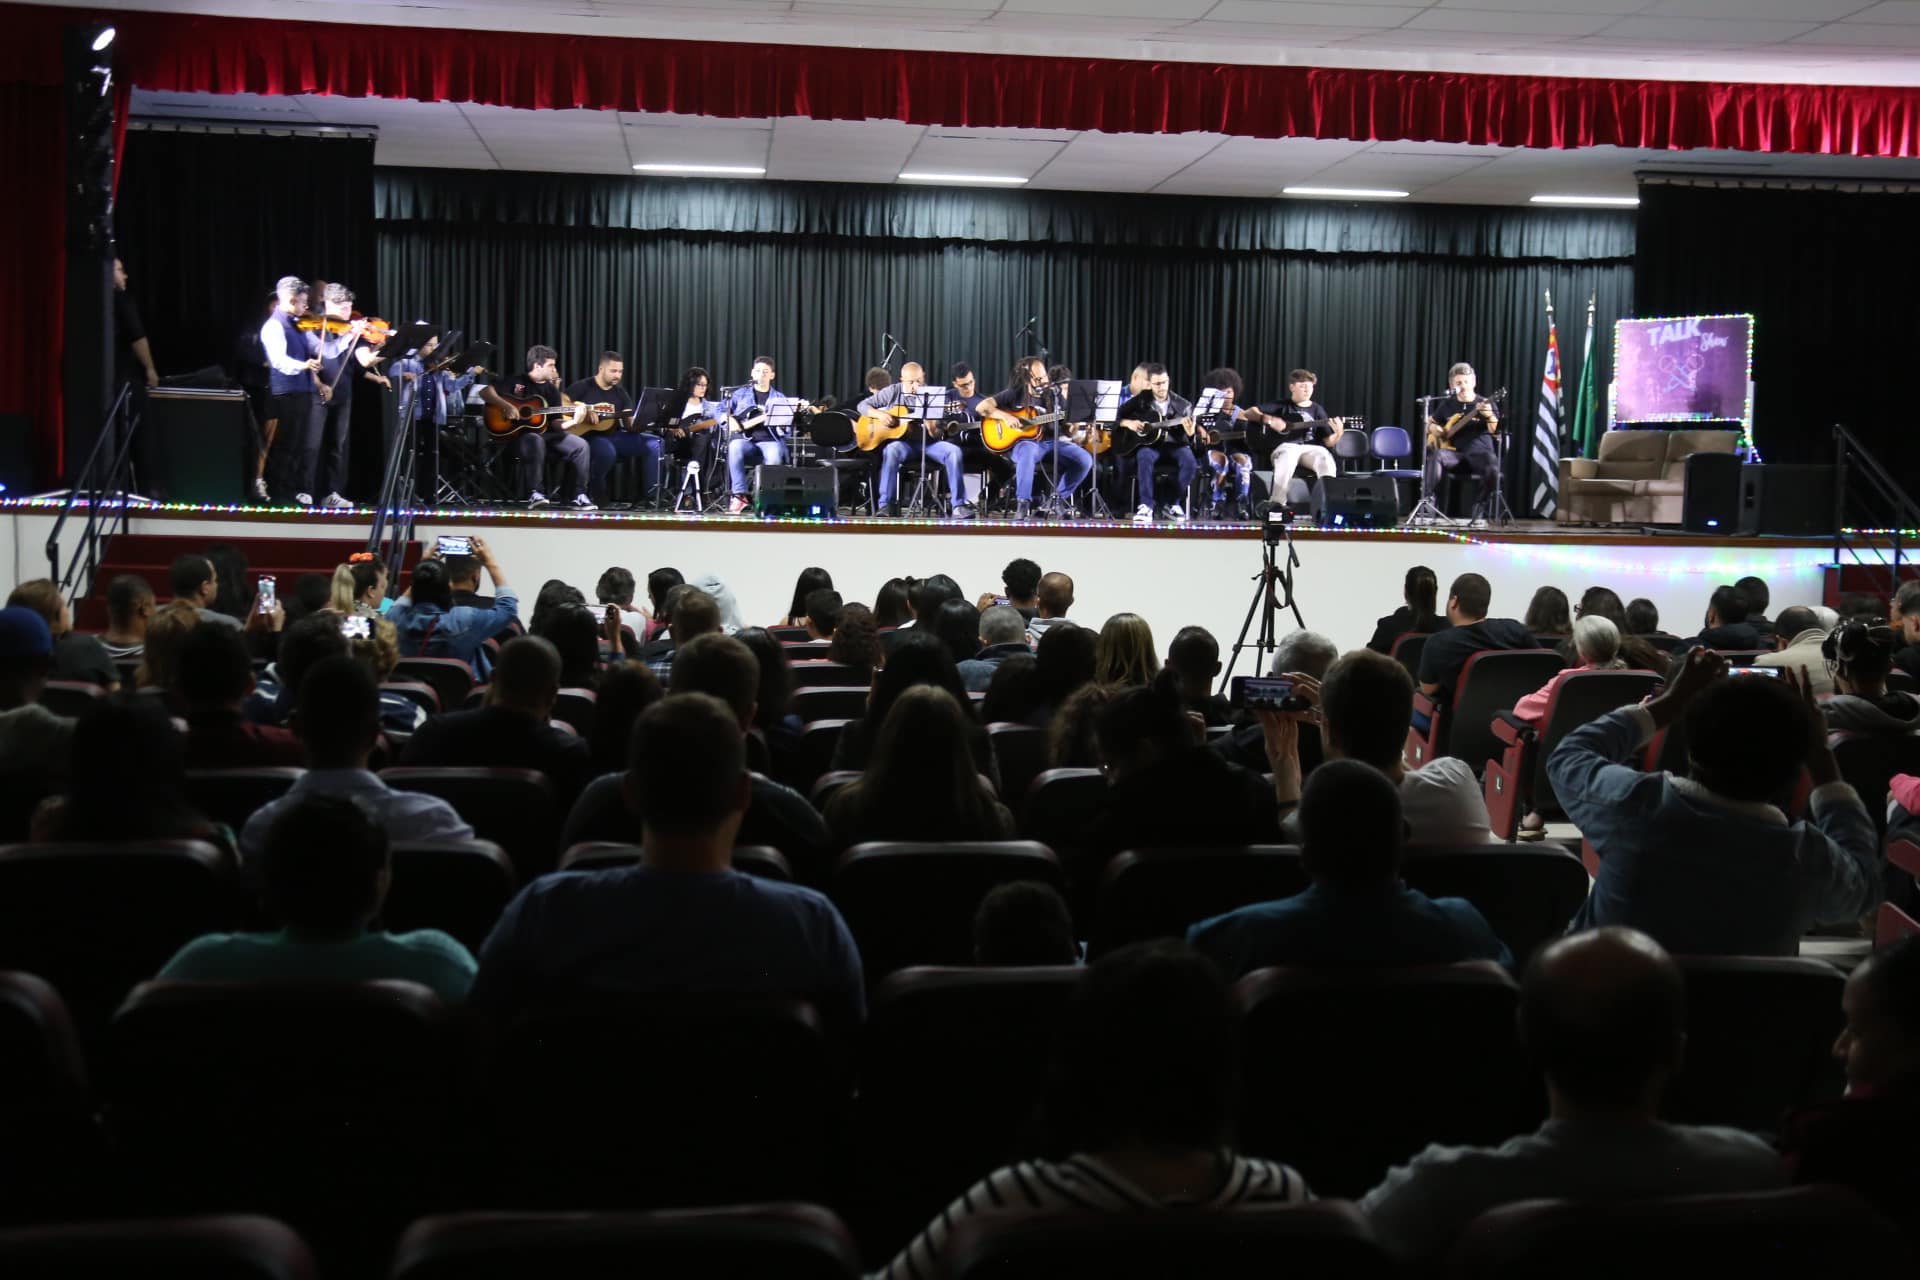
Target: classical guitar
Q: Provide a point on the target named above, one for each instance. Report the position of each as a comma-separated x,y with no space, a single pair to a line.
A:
603,418
1095,437
530,414
871,430
1000,435
1440,434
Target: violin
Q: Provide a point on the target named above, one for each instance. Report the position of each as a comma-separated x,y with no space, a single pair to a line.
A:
375,331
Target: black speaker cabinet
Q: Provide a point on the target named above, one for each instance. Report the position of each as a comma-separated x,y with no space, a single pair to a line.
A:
197,446
1712,501
1356,500
1787,498
794,491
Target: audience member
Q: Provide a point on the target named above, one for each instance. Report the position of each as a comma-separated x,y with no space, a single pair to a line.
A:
1052,599
359,589
683,921
856,640
1797,640
773,740
213,677
1643,620
325,868
1860,658
1905,617
463,580
809,581
159,657
732,621
1147,1079
433,624
1549,617
920,782
76,657
1866,1140
918,659
196,584
235,596
1357,914
890,605
615,591
956,624
310,594
1758,598
1067,657
724,668
1726,625
32,738
1003,635
924,598
1709,864
823,609
1124,653
1023,923
659,582
379,649
1637,652
575,632
1013,694
691,613
626,689
1446,652
1303,652
1602,1017
554,594
277,692
1194,659
1071,741
338,718
130,606
1020,581
513,730
1418,616
133,785
1864,606
1596,645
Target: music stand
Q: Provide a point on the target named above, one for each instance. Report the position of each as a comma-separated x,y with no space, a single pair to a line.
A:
1426,510
926,396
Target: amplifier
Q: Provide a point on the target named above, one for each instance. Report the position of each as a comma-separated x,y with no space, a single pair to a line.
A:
795,491
1710,503
199,445
1787,498
1356,500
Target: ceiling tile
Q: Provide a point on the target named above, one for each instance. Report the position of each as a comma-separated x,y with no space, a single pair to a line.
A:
1497,22
1287,13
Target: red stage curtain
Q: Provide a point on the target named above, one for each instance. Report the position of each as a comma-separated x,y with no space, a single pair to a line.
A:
33,264
232,55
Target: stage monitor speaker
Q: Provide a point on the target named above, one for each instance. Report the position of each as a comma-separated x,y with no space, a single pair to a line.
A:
794,491
1712,500
198,447
1790,499
1356,500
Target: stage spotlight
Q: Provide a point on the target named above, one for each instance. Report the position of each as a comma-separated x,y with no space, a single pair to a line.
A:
104,39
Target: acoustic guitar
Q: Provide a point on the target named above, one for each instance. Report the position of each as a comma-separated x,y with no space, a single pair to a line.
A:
1440,434
871,430
1095,437
1000,435
530,414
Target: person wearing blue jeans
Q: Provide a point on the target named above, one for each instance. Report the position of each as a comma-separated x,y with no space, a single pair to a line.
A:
618,440
1028,390
1176,446
745,413
906,393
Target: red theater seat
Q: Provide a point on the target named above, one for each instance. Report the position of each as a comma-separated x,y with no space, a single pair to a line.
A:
1516,776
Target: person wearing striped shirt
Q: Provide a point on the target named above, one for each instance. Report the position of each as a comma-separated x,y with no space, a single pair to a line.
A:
1148,1043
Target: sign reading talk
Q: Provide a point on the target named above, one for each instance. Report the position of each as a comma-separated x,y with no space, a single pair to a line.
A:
1683,369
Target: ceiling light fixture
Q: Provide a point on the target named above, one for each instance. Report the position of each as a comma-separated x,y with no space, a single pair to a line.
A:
1625,202
737,170
982,179
101,41
1359,193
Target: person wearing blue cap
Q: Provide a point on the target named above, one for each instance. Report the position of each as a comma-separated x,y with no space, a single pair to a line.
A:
31,737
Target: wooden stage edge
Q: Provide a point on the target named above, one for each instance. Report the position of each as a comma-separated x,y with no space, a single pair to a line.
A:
1521,532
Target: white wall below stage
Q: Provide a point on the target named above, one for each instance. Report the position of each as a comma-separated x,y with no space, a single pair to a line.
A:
1344,581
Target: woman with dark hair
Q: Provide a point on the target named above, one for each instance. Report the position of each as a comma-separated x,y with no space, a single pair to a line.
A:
890,607
133,786
1637,653
811,579
920,782
856,640
574,630
659,582
957,625
1143,1090
1549,617
626,689
1419,616
235,594
1860,658
774,722
432,626
1070,740
554,594
689,404
1065,657
918,659
1014,692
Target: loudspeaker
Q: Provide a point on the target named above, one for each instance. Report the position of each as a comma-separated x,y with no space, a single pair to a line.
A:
1712,500
198,445
794,491
1356,500
1793,499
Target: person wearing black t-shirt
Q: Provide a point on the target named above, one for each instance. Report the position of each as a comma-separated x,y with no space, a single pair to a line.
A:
1446,652
1468,441
320,453
1030,389
963,408
131,354
1300,431
542,382
619,440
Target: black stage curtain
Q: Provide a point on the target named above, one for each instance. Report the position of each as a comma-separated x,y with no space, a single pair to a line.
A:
1825,274
206,222
1379,328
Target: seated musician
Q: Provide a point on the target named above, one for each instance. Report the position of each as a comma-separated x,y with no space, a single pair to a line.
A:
1176,446
1232,470
548,434
746,415
1460,433
963,413
1031,391
439,393
1303,430
907,394
619,439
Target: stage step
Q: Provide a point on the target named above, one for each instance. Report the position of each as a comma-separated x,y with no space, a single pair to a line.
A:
151,555
1873,579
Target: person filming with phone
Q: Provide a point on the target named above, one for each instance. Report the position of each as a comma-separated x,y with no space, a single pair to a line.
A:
1710,863
431,625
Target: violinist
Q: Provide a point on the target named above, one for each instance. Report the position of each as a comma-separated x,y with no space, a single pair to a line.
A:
345,357
292,363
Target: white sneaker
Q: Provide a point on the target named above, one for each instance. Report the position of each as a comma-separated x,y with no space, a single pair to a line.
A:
260,491
334,500
736,505
1143,514
303,499
581,502
1177,513
537,499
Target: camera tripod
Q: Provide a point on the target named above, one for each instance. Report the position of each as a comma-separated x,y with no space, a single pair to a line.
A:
1274,576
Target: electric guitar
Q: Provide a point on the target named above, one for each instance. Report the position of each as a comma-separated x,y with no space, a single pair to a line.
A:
1440,434
1000,435
530,414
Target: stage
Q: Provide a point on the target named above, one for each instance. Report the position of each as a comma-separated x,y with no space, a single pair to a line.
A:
1174,575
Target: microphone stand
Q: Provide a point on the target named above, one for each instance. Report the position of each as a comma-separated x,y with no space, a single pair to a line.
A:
893,349
1426,510
917,504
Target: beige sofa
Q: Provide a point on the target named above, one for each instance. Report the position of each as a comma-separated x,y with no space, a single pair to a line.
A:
1639,477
